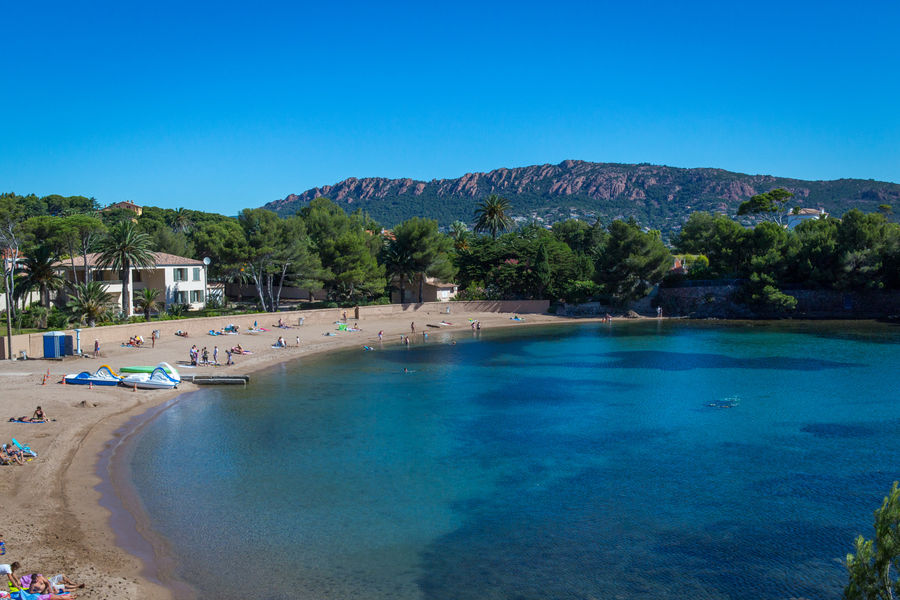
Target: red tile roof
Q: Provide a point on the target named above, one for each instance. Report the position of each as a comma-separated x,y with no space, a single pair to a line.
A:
163,259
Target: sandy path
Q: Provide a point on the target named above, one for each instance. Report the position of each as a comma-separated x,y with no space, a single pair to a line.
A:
53,521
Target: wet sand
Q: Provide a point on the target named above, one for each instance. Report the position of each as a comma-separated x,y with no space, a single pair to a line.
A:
54,520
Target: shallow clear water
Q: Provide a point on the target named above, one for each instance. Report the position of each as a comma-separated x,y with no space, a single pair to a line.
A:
569,462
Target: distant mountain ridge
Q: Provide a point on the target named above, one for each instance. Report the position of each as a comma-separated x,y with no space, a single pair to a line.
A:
656,196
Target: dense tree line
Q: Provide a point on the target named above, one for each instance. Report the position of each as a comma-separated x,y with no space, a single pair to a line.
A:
858,252
353,260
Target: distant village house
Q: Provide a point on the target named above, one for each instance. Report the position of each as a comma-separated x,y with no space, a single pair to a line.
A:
126,205
805,214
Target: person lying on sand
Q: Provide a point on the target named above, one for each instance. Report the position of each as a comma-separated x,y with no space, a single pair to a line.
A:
56,584
38,417
20,586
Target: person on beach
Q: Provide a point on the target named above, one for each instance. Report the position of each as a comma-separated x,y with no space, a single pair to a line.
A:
412,327
298,341
7,457
55,584
37,417
18,585
12,453
228,353
205,356
381,335
8,572
96,348
216,355
153,339
659,312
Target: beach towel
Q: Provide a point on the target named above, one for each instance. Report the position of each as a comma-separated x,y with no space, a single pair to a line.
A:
15,420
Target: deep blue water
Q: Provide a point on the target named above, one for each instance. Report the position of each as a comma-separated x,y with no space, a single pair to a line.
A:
567,462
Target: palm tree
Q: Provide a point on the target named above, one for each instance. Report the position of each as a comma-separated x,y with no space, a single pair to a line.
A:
123,248
491,215
147,300
90,301
181,220
398,262
460,234
40,273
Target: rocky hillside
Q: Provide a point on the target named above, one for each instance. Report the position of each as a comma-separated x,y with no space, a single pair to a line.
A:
658,197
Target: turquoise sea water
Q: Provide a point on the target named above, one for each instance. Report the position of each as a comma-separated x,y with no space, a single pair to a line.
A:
559,462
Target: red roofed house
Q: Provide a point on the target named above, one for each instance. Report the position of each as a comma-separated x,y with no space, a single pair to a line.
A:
126,205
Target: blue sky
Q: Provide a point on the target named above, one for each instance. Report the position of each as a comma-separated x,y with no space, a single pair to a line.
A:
227,105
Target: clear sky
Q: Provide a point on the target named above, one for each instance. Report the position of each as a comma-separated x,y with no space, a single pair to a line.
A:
226,105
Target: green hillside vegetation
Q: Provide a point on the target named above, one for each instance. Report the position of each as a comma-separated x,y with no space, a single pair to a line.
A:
354,261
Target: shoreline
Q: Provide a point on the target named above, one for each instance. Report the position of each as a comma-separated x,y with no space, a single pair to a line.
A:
81,525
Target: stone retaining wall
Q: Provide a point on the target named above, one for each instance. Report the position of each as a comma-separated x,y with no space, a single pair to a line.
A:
718,302
114,335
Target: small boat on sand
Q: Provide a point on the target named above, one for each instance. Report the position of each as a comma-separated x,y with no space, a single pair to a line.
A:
103,376
158,379
149,369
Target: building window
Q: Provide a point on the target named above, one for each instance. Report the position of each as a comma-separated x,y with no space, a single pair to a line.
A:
182,297
136,276
196,273
179,274
196,296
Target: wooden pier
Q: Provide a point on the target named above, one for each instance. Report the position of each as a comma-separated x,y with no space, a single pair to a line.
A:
217,379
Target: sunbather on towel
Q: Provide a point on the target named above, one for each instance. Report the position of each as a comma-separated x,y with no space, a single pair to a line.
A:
22,585
37,417
56,584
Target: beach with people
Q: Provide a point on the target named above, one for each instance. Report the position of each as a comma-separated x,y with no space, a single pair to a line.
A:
56,518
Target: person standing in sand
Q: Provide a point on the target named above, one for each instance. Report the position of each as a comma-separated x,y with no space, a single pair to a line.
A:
412,327
216,355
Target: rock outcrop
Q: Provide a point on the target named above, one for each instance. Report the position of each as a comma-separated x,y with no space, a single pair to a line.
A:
659,197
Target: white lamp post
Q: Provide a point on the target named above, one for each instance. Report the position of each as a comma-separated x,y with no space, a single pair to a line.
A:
206,262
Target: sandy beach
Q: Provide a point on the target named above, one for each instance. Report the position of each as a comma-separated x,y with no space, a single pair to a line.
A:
54,521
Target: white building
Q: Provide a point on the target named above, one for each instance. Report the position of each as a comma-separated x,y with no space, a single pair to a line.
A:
805,214
181,280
